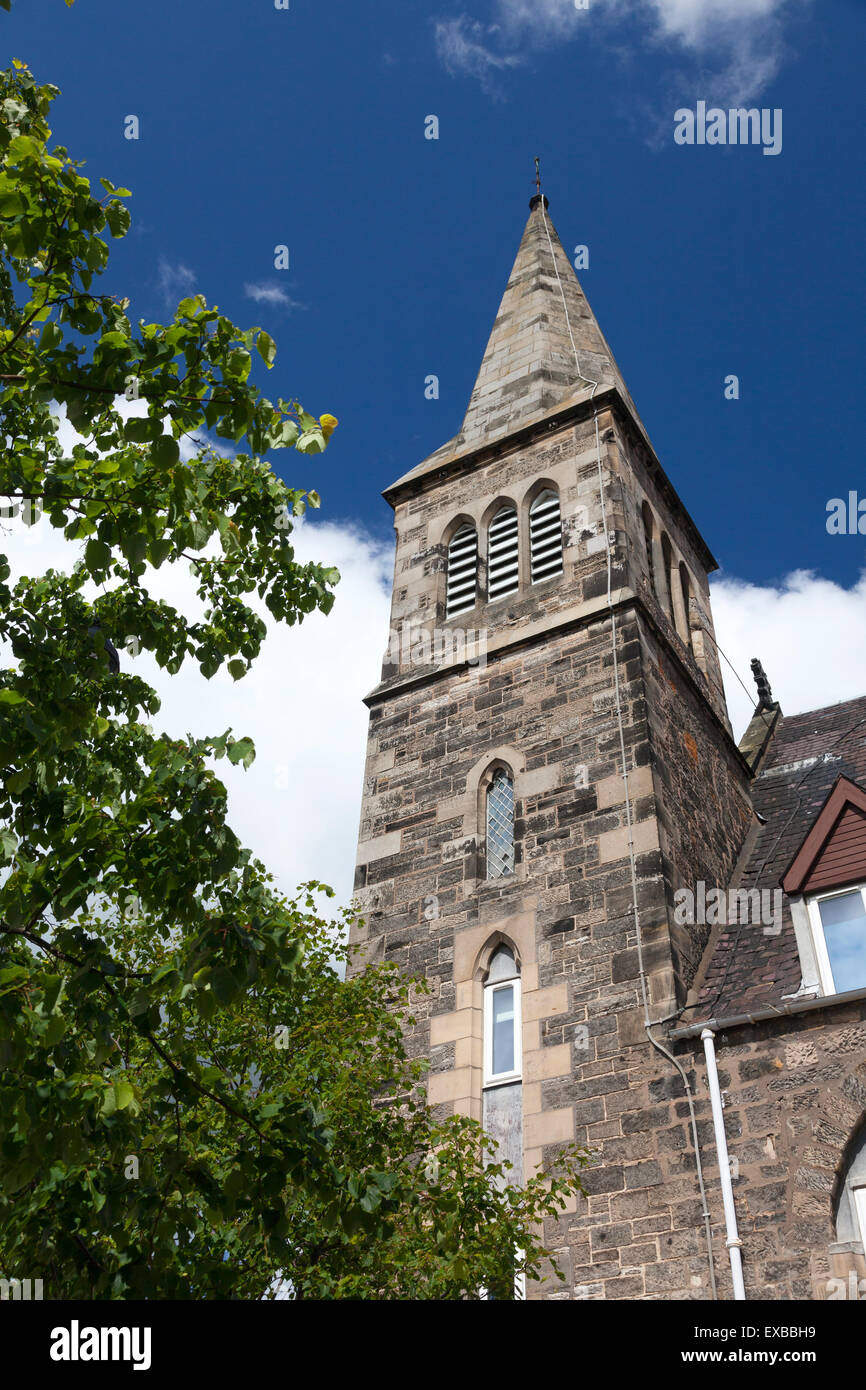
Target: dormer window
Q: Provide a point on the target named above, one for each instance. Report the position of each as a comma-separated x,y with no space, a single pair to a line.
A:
838,922
826,886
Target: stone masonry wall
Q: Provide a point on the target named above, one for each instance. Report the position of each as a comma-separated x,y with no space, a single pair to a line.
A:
543,703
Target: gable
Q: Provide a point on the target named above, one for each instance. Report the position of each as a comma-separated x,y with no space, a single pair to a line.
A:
843,857
834,851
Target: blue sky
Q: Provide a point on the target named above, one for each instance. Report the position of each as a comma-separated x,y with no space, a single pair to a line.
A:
306,127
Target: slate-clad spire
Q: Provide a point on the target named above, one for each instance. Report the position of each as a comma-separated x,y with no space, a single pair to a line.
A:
529,366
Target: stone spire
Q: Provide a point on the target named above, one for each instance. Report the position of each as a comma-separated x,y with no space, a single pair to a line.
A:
529,366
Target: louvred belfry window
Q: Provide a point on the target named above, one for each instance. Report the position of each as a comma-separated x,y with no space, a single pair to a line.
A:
462,571
502,554
545,537
500,825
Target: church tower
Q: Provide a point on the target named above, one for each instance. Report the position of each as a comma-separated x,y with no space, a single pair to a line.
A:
549,757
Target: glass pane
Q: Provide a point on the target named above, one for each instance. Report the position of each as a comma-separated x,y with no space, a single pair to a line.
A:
860,1208
503,1030
500,825
844,923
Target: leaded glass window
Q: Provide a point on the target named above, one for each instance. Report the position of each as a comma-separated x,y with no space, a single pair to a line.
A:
500,825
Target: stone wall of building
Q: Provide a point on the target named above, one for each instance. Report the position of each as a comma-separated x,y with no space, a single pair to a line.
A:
541,702
795,1093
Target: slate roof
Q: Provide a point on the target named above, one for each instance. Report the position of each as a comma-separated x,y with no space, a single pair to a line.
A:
748,969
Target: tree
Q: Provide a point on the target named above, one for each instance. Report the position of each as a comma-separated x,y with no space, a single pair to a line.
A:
155,1140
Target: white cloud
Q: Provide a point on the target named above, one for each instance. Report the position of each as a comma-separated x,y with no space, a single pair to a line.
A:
465,46
694,22
297,807
735,47
175,281
270,294
808,632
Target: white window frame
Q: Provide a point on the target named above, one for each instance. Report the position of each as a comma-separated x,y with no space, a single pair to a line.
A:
819,944
858,1198
503,1078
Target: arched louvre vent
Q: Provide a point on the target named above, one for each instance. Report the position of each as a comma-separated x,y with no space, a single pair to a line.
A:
500,825
545,537
462,571
502,553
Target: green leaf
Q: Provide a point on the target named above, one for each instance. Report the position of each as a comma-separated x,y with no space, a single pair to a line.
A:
165,451
242,751
118,219
238,364
96,554
311,442
225,986
267,348
55,1030
123,1094
142,429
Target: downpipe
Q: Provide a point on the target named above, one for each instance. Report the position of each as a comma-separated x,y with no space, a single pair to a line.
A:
732,1238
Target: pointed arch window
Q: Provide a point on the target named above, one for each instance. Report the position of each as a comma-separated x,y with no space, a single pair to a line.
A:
851,1202
502,1031
500,825
502,1103
462,571
545,537
666,579
649,538
502,554
686,588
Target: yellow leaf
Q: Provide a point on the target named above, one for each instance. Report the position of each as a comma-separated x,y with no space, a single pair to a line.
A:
329,424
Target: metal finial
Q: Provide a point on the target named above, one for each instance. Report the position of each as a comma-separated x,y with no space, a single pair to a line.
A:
538,198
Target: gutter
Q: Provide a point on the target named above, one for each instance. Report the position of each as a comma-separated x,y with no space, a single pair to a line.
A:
801,1006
